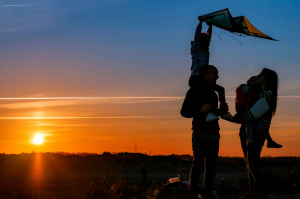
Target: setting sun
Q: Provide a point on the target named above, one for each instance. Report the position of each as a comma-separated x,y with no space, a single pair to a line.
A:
38,139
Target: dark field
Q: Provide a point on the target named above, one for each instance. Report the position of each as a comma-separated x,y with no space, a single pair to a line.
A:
127,175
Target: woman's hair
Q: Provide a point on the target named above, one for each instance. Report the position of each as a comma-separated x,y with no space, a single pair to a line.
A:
271,80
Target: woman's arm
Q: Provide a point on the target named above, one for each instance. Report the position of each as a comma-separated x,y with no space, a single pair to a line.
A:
260,107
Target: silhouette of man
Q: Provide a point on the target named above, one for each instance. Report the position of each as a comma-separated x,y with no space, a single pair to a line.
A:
205,138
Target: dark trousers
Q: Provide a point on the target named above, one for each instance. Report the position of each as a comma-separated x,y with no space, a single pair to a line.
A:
252,153
205,150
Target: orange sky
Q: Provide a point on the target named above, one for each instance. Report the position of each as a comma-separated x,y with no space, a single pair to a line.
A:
61,48
145,125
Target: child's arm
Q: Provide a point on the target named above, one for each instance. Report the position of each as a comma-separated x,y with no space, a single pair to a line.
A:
221,92
209,31
198,33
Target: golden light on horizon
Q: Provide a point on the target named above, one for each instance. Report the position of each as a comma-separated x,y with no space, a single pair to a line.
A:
38,139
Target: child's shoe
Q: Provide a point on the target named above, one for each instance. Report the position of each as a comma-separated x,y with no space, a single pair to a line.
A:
210,117
273,144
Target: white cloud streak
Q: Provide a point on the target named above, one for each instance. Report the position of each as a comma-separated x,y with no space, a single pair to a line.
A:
72,118
14,5
40,102
85,98
25,103
102,98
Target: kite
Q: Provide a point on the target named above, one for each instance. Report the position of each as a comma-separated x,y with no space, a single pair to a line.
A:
223,19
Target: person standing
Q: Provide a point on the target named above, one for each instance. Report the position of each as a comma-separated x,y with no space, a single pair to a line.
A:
263,109
202,99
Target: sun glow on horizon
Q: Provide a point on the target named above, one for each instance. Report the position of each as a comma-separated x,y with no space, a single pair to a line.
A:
38,139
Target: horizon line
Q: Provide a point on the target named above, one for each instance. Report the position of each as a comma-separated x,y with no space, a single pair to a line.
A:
121,152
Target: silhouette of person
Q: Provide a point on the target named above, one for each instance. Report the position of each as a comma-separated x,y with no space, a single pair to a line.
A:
246,95
205,138
263,109
200,58
200,48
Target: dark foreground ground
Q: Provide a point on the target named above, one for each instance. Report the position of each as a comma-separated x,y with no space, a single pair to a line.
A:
127,175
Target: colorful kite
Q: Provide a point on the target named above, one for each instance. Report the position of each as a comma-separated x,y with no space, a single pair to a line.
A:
224,20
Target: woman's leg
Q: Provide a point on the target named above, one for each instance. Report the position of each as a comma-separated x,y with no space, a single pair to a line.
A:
254,174
243,139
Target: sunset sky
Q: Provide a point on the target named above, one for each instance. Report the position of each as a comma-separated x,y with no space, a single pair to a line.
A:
110,75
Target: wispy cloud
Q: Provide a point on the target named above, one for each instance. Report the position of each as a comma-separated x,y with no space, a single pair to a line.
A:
290,96
15,5
71,101
34,15
64,118
39,102
89,98
144,123
121,97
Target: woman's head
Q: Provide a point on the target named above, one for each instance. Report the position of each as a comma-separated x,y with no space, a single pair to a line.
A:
269,81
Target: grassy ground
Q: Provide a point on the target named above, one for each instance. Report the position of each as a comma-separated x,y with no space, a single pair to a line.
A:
125,175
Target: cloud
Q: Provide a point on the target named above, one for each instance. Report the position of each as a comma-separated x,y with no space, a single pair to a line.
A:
64,118
134,124
40,102
20,17
290,96
15,5
87,98
71,101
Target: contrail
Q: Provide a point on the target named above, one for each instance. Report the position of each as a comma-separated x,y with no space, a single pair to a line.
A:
135,97
83,98
15,5
59,118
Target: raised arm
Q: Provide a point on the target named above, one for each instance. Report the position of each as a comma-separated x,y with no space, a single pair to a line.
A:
198,33
209,31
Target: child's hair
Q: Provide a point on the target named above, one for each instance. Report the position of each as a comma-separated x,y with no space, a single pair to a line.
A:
244,97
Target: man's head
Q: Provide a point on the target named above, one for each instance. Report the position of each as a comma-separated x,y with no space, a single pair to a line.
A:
209,74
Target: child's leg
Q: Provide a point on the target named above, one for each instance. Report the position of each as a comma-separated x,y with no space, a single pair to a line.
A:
211,116
268,136
221,93
249,132
195,81
271,142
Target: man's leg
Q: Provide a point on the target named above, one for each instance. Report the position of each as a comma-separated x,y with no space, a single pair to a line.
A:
198,163
212,152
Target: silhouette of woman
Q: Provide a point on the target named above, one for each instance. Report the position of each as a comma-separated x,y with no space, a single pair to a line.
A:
263,109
